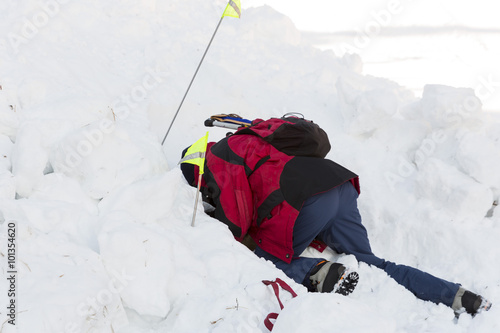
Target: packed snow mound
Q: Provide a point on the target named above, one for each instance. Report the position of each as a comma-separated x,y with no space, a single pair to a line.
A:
103,215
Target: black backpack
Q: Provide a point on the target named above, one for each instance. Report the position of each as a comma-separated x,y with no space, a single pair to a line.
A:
291,135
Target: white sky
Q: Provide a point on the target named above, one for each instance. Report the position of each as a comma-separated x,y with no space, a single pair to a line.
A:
330,15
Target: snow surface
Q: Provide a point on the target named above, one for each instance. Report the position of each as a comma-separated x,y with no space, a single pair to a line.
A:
103,213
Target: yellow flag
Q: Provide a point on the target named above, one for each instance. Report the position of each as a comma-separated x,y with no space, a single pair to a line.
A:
196,153
233,9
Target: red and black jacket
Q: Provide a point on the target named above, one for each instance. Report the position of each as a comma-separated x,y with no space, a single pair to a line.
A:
257,189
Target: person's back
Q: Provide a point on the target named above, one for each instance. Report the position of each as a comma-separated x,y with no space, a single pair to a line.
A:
259,189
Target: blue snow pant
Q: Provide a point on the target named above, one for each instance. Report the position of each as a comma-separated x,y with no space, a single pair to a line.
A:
333,217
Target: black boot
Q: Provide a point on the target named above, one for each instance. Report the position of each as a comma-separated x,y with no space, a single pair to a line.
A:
469,302
333,277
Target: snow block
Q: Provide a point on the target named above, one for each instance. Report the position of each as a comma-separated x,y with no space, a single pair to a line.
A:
7,185
64,286
367,106
61,188
444,106
149,254
481,164
268,25
9,122
5,152
29,157
453,191
323,308
105,155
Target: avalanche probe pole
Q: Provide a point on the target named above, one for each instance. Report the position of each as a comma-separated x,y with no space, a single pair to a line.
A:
194,76
196,201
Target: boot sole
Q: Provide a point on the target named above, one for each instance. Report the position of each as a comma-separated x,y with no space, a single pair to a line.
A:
347,283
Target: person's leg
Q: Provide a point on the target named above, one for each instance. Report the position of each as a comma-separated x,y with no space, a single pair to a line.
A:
314,215
346,234
297,269
423,285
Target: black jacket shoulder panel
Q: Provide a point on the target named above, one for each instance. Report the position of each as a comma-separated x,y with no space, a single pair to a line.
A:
303,177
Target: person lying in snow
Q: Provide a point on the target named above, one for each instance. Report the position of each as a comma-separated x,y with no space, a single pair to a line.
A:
271,181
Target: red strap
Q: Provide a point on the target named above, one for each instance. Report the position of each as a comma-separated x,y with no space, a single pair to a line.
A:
318,245
267,321
286,287
276,289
